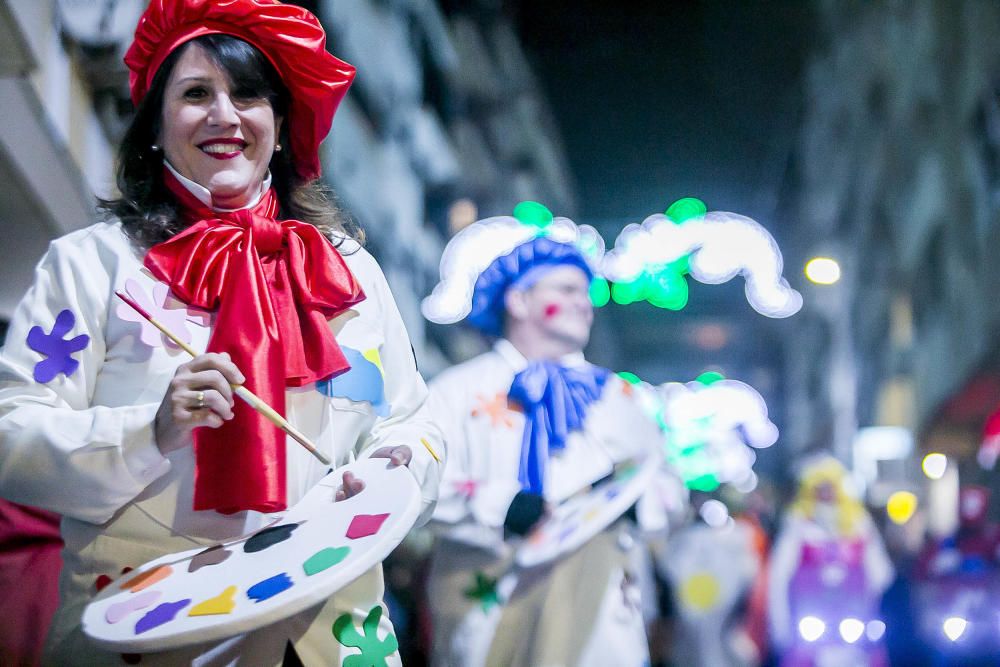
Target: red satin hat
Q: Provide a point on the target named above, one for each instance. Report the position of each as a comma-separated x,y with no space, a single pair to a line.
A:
289,36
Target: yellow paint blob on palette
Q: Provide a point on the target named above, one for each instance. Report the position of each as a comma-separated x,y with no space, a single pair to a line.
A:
223,603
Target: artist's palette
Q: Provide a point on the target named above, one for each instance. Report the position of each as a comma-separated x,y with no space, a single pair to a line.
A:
218,591
574,522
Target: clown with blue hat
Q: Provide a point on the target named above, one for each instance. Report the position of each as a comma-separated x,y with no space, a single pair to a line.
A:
529,424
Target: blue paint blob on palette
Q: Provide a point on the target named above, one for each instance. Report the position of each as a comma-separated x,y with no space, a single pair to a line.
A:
364,382
159,615
270,587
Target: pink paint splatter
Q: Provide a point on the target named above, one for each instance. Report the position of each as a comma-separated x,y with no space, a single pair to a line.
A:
551,310
466,489
162,307
120,610
364,525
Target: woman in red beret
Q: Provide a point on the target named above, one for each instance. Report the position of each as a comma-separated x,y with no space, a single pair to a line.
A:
222,233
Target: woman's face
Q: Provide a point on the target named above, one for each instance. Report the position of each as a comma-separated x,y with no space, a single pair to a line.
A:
220,138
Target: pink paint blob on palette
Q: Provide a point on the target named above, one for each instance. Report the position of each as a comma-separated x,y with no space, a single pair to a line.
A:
221,590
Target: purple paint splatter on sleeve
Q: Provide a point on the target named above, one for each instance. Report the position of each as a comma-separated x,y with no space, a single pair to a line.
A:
58,351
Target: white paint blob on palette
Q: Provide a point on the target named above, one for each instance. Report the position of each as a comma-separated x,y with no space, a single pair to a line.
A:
581,518
219,591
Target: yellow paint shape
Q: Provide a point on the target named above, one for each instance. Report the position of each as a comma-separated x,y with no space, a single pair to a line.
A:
592,514
700,592
148,578
373,356
220,604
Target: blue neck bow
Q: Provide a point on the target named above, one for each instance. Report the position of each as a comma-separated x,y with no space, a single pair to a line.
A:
555,401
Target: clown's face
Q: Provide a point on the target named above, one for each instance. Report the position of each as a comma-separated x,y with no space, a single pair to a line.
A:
558,306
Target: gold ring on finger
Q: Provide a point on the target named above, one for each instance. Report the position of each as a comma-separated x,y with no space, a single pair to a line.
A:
199,400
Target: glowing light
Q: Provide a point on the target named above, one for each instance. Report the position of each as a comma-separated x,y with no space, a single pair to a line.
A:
901,506
461,214
684,209
475,247
712,428
533,213
934,465
823,270
811,628
954,627
874,630
851,630
714,513
709,378
631,378
713,247
600,292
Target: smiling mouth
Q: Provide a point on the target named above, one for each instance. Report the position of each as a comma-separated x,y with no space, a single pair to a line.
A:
222,150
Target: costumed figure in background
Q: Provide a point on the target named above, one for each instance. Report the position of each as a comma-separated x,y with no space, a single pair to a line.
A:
711,564
222,232
828,571
528,425
958,586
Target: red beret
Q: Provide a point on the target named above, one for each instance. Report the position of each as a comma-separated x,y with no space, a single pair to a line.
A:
289,36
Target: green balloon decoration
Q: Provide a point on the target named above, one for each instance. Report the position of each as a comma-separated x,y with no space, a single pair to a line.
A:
534,214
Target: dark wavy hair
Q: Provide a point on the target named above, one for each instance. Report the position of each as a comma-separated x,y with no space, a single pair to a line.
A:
146,208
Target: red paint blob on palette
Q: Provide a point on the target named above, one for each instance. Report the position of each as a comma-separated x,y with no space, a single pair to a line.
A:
364,525
551,310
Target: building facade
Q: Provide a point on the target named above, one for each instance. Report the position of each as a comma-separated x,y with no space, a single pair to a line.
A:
897,174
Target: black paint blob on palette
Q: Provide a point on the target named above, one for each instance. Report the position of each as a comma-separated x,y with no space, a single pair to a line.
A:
269,537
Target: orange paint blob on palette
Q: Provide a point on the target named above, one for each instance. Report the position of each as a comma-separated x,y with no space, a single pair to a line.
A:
146,579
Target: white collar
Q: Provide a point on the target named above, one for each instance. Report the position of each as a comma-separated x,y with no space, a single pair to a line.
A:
518,361
205,197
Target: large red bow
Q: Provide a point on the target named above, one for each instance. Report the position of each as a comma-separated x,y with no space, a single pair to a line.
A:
275,285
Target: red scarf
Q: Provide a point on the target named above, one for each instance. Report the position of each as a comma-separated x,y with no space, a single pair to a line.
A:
275,285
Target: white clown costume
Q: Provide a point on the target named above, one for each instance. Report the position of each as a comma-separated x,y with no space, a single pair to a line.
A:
582,609
82,444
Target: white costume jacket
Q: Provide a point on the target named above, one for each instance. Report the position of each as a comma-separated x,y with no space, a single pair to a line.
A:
82,444
549,616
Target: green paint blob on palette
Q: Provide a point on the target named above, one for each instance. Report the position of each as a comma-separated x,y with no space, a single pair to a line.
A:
324,559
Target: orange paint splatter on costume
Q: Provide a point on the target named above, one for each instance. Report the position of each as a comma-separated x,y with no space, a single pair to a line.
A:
498,409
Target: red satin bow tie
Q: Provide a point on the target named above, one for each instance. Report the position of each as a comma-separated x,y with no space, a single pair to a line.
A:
275,285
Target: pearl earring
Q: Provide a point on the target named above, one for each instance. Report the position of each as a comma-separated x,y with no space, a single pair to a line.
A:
155,148
277,148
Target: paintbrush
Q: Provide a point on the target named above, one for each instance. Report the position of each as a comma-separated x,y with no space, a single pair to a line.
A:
252,399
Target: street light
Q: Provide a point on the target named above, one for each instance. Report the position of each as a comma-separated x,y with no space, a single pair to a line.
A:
823,270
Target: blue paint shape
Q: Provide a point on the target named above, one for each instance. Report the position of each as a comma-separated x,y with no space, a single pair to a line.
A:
269,587
364,382
612,492
159,615
57,349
